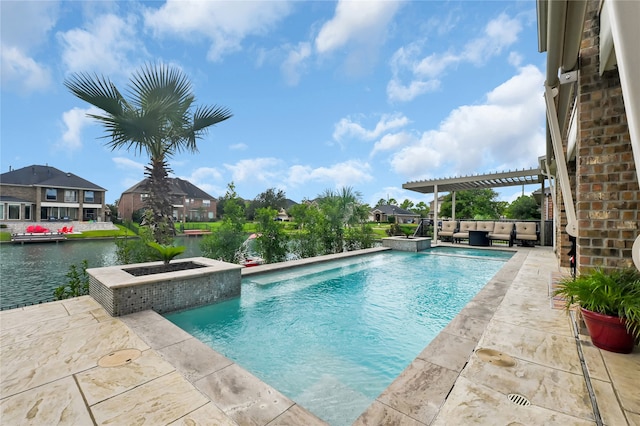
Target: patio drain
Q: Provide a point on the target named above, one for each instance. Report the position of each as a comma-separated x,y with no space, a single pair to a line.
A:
495,357
518,399
118,358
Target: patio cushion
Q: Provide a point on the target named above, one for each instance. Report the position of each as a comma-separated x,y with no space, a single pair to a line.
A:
465,227
526,231
448,228
485,226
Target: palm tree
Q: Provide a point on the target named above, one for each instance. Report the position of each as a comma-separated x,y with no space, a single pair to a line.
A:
159,118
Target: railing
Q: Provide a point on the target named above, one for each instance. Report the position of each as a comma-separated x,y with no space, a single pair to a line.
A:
22,305
424,229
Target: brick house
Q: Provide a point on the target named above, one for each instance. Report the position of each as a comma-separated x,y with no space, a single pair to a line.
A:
39,193
592,93
190,203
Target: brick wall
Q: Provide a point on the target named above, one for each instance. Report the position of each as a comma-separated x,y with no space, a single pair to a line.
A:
607,192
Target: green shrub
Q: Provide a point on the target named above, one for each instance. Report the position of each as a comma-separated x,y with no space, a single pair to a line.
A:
78,284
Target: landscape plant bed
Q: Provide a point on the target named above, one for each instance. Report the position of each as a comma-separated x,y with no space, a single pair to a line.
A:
160,269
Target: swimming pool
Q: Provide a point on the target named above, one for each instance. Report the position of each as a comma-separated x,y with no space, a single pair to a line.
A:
333,336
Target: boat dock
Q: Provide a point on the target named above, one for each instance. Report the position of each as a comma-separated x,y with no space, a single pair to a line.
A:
195,232
41,237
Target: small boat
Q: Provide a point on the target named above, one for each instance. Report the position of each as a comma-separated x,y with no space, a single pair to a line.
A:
252,261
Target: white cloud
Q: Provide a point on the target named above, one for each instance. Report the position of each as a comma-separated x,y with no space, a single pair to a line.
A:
239,147
264,170
124,163
424,74
294,64
21,73
24,27
106,45
74,121
503,133
355,21
25,24
348,173
359,28
223,23
348,128
393,141
396,91
202,174
498,34
204,178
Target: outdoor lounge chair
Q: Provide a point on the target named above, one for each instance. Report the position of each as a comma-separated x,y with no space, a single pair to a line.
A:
502,231
485,226
449,227
527,233
463,232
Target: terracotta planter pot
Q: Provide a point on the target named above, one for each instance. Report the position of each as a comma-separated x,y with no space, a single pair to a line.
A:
608,332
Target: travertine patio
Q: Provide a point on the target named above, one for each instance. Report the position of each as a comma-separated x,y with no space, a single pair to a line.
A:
49,372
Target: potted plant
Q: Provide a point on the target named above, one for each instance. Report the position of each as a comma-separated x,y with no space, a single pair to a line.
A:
610,304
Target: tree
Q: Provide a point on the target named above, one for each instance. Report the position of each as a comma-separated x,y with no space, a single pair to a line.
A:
472,204
227,240
159,119
524,207
421,208
341,209
272,240
271,198
309,220
407,204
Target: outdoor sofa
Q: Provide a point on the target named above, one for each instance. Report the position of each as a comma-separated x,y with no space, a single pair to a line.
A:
463,231
449,227
502,231
527,233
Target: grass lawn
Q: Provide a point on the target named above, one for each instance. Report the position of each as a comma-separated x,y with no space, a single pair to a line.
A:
379,230
121,232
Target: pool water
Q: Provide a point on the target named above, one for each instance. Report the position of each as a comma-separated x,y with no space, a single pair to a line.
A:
333,336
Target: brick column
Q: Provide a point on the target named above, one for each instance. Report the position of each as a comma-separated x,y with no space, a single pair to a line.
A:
607,196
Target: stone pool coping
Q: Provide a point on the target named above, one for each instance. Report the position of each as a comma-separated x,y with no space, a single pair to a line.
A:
117,277
49,356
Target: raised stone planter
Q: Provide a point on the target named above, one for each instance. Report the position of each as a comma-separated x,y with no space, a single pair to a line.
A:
413,244
121,293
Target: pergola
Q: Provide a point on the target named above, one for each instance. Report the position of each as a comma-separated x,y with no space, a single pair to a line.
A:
460,183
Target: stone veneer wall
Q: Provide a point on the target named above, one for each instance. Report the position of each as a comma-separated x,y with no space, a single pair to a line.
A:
607,193
170,292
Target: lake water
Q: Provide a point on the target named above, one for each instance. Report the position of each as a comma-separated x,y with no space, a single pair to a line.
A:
29,273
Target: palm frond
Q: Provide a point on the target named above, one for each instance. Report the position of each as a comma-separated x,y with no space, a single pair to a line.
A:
203,118
98,91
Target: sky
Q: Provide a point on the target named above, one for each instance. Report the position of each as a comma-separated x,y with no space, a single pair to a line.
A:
324,95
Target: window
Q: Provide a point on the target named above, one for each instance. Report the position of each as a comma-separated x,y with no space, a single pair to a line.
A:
1,211
206,203
14,211
27,212
70,196
51,194
144,196
88,196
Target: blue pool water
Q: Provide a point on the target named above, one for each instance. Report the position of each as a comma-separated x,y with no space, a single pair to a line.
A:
333,336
